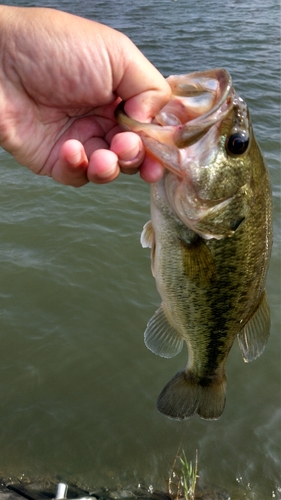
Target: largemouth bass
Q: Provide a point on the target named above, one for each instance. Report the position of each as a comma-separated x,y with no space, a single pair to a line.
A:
210,236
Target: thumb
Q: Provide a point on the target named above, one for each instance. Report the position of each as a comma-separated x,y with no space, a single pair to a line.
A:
141,85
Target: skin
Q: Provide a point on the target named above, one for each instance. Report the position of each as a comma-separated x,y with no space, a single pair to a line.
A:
62,77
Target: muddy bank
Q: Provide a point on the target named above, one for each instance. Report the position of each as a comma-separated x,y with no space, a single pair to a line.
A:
14,489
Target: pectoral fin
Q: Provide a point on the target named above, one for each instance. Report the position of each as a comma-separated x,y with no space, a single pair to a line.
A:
160,336
147,235
198,262
147,240
253,338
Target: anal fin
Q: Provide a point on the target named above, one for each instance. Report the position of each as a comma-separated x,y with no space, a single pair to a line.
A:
161,337
253,338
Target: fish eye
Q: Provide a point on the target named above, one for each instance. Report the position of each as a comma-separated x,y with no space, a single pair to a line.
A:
237,143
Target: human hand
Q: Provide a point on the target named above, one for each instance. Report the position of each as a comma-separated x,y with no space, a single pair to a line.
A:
61,79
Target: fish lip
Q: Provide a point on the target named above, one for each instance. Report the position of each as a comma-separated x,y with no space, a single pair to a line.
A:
128,123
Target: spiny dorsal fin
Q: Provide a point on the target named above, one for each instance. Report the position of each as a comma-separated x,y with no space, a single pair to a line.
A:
160,336
253,338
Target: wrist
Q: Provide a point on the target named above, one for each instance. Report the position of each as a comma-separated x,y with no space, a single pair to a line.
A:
6,65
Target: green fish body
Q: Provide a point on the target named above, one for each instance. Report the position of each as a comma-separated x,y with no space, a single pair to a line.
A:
210,236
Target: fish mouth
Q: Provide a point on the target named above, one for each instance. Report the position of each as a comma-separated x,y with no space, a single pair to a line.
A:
200,100
210,101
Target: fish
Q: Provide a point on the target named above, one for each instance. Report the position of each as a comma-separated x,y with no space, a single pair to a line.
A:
210,236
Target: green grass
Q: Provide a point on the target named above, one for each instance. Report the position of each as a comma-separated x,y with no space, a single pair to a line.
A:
183,478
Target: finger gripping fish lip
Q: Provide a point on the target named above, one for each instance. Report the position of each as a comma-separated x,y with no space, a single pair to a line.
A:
195,108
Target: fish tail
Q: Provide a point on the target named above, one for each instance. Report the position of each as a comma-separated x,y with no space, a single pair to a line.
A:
186,395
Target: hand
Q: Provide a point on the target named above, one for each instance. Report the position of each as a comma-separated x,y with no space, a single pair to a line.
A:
61,79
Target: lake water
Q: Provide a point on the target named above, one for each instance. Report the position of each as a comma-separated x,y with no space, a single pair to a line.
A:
77,385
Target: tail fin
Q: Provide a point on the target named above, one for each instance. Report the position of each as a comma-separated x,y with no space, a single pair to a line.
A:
185,396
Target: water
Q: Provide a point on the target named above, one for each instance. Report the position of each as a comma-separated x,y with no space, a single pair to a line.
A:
77,385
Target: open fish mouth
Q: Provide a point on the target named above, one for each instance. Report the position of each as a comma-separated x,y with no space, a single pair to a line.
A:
199,101
206,99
